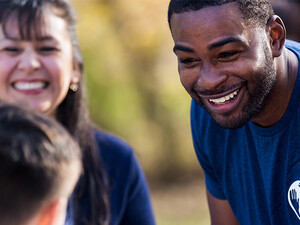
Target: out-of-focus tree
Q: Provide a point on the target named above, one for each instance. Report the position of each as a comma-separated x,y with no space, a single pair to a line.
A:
133,86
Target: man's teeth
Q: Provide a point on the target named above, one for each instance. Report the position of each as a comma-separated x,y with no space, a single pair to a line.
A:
25,86
225,98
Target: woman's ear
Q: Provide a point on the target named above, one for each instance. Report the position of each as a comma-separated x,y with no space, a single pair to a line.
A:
277,34
74,85
76,76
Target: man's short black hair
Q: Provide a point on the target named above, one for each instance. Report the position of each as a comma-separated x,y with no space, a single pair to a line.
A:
254,11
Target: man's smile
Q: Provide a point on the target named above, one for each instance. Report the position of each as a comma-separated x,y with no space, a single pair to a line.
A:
223,100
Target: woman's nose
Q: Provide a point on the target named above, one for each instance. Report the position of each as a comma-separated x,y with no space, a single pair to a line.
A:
29,61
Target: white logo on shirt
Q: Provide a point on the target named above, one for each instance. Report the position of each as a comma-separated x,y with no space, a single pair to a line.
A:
294,196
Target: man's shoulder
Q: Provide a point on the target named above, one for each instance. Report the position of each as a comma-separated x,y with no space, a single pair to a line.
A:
293,46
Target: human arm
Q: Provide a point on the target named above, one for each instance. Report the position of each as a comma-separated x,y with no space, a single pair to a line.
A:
220,211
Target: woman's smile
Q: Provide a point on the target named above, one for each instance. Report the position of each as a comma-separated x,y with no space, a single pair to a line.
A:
30,86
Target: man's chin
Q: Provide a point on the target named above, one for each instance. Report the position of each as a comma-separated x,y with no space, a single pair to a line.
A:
231,122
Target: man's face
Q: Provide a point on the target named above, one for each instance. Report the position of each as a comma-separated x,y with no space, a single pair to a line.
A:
224,64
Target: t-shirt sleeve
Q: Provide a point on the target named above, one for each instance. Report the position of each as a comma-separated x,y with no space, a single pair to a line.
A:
200,129
139,208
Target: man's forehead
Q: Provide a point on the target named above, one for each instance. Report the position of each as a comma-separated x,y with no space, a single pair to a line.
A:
216,19
222,12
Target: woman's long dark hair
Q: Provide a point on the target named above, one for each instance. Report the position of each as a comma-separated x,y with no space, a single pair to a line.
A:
72,112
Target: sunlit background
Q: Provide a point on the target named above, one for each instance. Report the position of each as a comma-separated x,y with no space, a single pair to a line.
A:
134,92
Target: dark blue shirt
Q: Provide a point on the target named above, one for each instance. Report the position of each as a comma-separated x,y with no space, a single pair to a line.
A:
256,169
129,193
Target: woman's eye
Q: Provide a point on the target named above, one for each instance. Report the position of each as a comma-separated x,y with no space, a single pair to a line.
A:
12,49
48,49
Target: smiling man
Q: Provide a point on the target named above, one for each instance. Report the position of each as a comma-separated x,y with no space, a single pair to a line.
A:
242,73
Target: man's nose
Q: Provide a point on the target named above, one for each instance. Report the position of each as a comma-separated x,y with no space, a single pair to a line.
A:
210,77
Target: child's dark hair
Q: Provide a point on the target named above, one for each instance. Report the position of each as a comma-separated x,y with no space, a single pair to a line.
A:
36,156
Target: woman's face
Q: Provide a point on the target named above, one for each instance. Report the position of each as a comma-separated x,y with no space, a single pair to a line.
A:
37,73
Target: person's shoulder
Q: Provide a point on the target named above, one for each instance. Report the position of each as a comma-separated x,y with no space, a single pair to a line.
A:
113,148
118,159
112,142
293,45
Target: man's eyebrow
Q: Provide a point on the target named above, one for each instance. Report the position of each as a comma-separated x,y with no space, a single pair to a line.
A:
182,48
224,42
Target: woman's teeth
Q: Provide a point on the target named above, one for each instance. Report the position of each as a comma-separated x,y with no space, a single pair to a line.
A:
222,100
25,86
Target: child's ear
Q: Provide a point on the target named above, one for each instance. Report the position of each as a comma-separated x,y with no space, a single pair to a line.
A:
277,34
54,213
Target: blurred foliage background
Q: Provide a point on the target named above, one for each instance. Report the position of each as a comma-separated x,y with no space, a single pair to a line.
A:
134,91
133,85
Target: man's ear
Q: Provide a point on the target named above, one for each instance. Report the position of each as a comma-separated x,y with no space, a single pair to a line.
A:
54,213
277,33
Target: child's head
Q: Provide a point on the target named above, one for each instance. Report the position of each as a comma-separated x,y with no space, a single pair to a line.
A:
39,166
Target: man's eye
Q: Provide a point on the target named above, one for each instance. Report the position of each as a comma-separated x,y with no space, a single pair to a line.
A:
187,60
225,55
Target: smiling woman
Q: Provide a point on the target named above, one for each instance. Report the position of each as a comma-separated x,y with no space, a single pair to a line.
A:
37,69
41,67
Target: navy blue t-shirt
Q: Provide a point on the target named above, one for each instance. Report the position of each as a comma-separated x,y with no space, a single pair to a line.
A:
256,169
129,193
